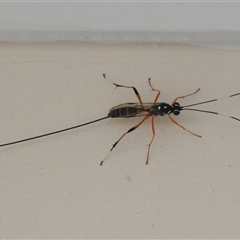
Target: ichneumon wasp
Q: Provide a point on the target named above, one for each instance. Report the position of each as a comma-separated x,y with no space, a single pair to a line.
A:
141,109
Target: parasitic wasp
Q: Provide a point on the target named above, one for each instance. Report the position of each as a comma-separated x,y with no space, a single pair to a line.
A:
141,109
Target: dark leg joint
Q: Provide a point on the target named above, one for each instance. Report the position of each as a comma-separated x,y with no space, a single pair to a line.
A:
116,85
135,90
131,129
114,145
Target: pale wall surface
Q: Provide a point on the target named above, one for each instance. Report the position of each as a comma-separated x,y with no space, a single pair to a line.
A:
55,188
215,24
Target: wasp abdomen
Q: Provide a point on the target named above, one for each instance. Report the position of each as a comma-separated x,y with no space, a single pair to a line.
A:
123,112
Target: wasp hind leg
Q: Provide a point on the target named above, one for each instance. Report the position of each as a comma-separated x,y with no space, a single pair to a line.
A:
134,89
130,130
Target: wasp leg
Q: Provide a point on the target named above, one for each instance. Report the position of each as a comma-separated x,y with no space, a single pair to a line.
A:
158,94
149,145
175,100
135,91
130,130
182,126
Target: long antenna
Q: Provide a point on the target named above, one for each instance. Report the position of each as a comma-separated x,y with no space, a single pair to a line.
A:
211,112
51,133
213,100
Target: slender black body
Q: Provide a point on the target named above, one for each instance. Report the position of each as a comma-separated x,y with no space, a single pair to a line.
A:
127,110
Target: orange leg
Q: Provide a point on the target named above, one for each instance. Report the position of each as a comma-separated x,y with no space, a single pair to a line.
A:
135,91
153,132
130,130
182,126
175,100
158,94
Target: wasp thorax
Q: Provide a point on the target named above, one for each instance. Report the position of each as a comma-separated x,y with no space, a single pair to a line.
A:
160,109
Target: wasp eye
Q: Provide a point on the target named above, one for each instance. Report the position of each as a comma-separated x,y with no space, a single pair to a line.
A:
176,108
176,104
176,112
